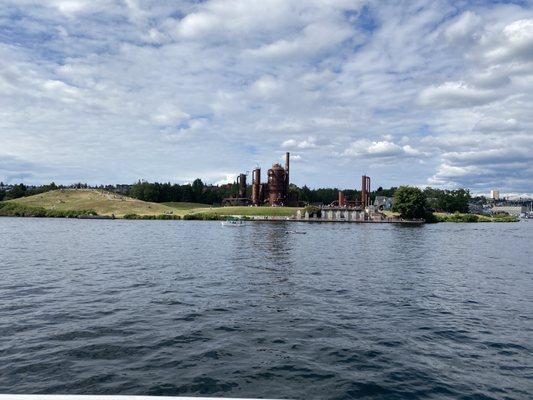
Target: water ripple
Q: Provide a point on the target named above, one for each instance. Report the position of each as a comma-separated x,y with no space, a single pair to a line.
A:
190,308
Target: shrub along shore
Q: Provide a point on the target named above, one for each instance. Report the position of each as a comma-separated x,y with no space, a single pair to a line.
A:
460,217
20,210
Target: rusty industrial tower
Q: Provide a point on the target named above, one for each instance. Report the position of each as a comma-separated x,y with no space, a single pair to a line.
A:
275,192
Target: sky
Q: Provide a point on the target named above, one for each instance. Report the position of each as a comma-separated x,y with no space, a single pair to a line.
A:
427,92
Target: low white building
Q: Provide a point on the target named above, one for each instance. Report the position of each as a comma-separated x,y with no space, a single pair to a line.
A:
511,210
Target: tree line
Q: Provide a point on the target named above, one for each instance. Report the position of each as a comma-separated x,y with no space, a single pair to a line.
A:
412,202
198,192
21,190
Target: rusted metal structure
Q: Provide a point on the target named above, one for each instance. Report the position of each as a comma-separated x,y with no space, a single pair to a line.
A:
277,188
240,199
241,184
256,186
365,191
342,199
287,159
274,192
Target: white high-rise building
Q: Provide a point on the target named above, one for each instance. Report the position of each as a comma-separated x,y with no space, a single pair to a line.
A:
495,194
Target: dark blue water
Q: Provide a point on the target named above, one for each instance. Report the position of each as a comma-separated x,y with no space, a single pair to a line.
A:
193,308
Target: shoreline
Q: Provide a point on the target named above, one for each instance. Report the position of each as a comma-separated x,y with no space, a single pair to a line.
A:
93,204
256,219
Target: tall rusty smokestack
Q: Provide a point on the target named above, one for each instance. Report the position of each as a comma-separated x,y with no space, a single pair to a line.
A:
256,187
241,183
342,200
287,155
365,191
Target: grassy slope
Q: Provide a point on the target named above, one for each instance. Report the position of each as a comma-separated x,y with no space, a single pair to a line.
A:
106,203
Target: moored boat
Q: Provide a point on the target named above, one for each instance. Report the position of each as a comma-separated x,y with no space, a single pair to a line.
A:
233,221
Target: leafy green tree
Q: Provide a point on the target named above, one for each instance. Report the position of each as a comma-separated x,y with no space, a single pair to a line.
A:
17,191
187,193
197,190
410,202
448,200
304,194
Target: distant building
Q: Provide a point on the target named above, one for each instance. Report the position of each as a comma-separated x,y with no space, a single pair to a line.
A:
475,208
383,202
511,210
495,194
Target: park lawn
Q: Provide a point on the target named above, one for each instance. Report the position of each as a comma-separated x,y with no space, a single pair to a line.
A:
184,205
247,211
391,214
100,201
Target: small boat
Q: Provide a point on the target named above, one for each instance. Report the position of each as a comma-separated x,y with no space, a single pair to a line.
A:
295,232
233,221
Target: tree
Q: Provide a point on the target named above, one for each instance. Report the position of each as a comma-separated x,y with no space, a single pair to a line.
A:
448,200
17,191
410,202
197,190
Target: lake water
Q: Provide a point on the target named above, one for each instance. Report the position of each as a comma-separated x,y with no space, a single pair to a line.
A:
193,308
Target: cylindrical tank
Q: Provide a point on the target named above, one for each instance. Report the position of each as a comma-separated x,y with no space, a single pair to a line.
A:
365,191
263,193
342,200
256,185
287,156
241,182
277,185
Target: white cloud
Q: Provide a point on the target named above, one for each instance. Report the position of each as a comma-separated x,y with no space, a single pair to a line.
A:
463,27
312,40
169,115
456,95
309,143
515,43
266,87
228,178
489,124
197,24
381,149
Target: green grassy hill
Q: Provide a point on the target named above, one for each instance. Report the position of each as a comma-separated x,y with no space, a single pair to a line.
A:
100,201
107,203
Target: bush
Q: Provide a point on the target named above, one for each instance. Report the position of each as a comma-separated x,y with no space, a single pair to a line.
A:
457,217
19,210
312,210
410,202
160,216
431,218
203,217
